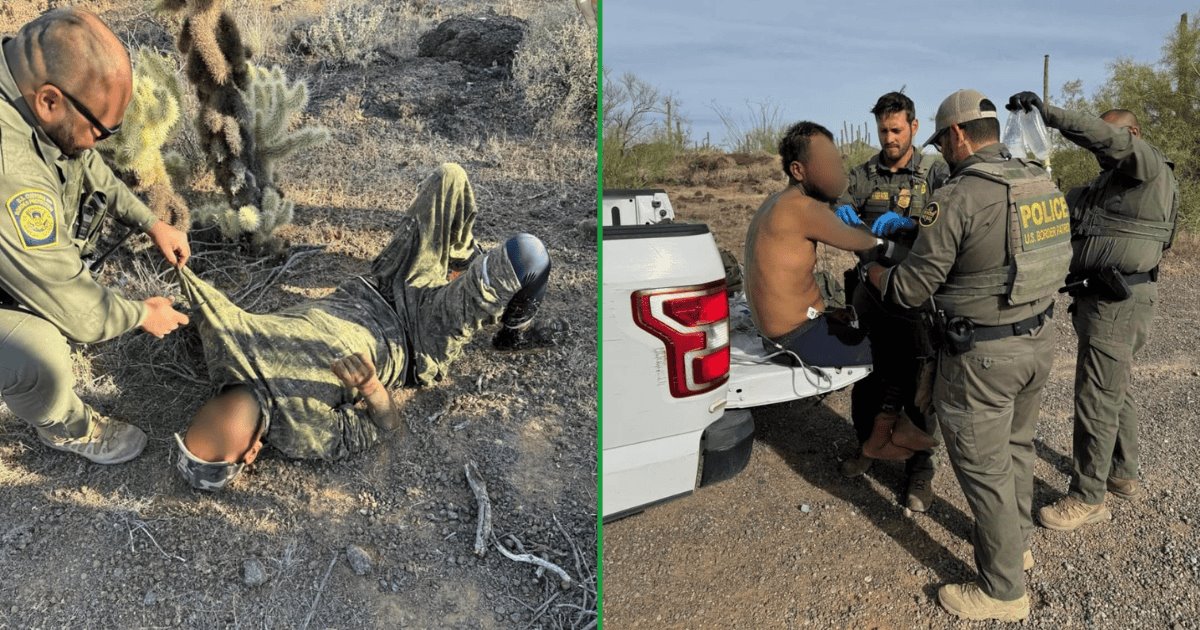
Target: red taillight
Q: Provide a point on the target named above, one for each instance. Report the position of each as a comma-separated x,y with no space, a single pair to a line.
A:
693,323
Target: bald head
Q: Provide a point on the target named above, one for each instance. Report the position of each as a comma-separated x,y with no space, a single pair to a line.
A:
73,72
72,48
1122,118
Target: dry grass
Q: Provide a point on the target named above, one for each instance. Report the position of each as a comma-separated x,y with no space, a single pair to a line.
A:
351,32
556,69
529,421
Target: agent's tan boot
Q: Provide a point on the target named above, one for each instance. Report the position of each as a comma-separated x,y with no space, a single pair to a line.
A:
970,602
1070,514
1124,488
108,442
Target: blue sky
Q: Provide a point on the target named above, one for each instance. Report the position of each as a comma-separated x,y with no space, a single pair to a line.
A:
828,61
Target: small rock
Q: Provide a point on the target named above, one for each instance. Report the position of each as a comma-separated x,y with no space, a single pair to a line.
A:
253,573
359,559
150,598
806,508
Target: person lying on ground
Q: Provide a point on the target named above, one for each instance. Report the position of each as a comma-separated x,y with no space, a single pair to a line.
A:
293,379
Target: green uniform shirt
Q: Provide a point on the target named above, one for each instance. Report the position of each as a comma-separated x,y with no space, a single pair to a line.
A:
874,189
1136,181
40,256
284,358
964,229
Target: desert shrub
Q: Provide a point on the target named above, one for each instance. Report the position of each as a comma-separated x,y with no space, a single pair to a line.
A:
351,32
555,68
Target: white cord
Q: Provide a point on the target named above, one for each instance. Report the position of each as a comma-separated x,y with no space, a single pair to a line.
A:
805,369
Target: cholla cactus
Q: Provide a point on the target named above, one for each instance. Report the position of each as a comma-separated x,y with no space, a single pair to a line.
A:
274,102
136,154
245,122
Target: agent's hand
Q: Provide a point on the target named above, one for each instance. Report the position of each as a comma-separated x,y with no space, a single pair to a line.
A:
161,317
890,223
357,370
171,242
848,216
1026,101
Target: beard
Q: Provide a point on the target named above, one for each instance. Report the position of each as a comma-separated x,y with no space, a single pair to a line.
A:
63,137
895,153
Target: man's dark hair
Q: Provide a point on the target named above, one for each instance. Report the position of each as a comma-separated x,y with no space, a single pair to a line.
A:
794,145
982,131
894,103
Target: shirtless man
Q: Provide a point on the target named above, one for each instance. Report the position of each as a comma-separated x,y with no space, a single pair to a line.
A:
781,253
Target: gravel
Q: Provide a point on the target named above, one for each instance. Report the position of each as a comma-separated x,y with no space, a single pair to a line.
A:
739,554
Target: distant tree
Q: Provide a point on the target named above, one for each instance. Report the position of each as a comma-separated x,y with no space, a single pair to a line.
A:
644,131
758,131
1165,96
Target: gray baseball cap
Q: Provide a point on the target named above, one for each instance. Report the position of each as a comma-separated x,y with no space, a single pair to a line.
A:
958,108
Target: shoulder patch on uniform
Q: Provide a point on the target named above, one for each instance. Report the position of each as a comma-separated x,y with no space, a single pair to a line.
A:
36,217
930,215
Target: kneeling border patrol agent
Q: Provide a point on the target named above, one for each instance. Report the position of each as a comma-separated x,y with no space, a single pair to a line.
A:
993,250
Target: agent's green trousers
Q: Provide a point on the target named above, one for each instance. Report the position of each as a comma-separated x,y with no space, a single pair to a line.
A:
36,380
1105,438
987,402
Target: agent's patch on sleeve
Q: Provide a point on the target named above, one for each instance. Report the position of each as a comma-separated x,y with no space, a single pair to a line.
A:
930,215
36,217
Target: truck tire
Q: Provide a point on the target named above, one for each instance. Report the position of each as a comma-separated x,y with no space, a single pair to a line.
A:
725,446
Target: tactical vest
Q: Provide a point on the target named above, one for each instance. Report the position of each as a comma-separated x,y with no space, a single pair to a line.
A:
1038,251
1091,218
891,196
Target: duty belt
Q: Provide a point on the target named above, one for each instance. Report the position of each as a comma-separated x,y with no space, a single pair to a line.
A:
992,333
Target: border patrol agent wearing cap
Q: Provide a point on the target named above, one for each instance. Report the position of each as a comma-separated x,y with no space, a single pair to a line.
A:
993,249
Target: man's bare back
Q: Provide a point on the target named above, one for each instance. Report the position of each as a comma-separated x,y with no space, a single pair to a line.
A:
781,254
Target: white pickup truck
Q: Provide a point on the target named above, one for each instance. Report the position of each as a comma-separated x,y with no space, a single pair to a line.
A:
679,373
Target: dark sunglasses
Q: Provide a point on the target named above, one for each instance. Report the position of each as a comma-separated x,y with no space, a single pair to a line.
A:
105,132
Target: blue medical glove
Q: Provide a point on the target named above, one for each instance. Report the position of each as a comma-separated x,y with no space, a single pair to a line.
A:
848,216
890,222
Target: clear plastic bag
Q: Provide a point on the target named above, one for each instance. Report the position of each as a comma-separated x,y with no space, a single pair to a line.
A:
1025,134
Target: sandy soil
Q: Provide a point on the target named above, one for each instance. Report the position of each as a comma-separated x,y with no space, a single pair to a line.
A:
131,546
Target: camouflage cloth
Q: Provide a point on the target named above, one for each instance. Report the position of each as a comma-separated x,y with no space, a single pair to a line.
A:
404,316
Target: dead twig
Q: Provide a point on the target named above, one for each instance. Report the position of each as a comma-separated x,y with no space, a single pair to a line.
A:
541,563
312,610
483,531
139,524
274,274
484,527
